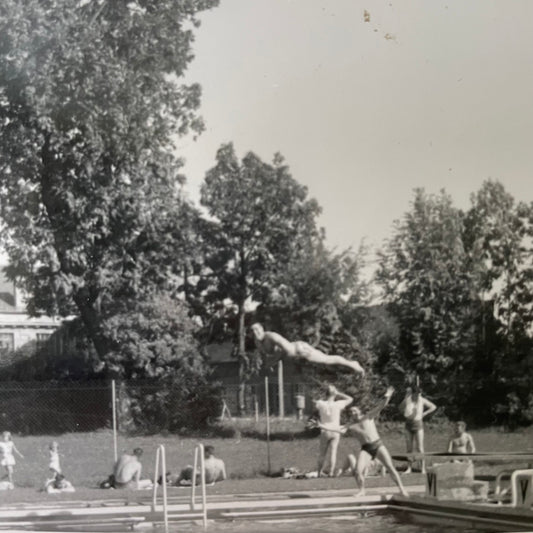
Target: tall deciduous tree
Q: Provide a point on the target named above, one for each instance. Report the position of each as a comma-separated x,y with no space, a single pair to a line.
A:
423,270
498,234
90,101
262,219
320,298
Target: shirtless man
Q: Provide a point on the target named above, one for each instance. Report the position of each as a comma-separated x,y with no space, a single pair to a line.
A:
461,441
364,429
215,470
127,472
415,408
329,412
274,345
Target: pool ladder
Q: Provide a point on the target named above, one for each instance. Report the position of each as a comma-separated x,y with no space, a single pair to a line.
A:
161,469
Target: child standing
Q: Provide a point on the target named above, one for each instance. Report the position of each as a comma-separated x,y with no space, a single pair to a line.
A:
54,459
7,447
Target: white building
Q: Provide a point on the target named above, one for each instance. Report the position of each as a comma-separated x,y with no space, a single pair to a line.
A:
17,329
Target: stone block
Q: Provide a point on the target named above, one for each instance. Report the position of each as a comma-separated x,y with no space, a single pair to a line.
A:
454,481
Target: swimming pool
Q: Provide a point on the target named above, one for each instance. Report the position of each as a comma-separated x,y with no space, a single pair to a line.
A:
379,523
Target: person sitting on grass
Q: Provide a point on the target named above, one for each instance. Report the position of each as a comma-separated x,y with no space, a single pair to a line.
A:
127,473
461,441
363,426
274,347
215,470
58,484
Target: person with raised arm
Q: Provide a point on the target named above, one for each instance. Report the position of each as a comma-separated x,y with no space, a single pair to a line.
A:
363,427
329,412
275,347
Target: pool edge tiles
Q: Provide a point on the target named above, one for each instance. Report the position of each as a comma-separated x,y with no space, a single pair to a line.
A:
283,504
489,517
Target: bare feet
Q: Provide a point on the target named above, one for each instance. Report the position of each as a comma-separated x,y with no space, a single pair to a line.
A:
360,492
404,492
357,368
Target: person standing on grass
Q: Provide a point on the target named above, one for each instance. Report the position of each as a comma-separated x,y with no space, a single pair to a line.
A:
414,409
7,450
461,441
329,412
274,347
53,464
363,426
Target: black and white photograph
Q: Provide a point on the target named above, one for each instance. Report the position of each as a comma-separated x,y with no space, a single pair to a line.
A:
266,266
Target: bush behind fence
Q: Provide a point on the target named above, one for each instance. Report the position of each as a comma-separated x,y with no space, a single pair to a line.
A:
34,408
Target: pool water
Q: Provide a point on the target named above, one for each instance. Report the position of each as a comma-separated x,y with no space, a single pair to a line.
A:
379,523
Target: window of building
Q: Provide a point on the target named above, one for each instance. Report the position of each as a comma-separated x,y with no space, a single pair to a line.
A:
42,338
7,342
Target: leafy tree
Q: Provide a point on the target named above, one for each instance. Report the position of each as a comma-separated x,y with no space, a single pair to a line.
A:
90,101
423,271
498,234
262,218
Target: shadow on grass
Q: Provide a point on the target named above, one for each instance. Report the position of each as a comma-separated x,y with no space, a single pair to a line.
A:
284,430
259,432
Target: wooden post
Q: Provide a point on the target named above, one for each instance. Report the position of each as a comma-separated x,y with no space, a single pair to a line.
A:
267,412
281,390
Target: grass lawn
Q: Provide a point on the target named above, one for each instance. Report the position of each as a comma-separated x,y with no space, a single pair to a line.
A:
87,458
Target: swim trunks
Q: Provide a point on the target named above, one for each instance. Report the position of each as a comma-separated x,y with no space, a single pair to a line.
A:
372,447
413,425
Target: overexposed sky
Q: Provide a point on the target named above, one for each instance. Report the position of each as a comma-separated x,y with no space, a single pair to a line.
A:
419,93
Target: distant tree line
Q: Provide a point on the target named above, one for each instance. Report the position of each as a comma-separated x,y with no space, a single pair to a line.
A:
96,225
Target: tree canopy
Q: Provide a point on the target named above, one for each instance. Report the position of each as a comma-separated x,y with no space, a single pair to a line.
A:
459,286
262,219
90,103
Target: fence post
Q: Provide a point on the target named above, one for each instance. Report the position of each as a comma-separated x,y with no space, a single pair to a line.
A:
267,409
114,404
281,390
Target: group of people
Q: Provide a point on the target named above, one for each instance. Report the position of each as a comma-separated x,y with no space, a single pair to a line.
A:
128,469
362,425
54,484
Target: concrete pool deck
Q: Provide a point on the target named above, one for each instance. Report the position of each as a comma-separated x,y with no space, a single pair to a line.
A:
263,499
232,499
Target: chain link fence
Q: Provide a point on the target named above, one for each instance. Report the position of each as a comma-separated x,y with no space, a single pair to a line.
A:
41,408
50,408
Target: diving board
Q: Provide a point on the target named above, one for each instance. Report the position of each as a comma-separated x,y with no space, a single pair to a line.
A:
485,456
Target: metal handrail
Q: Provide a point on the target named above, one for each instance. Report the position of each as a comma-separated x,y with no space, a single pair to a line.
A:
522,493
160,460
199,451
